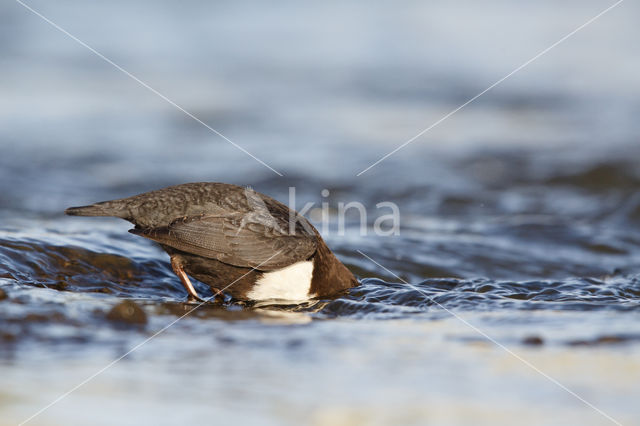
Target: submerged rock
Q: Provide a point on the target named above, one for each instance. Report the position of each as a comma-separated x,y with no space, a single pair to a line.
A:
127,312
533,341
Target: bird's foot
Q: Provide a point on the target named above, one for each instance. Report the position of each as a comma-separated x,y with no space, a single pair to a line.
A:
195,299
218,295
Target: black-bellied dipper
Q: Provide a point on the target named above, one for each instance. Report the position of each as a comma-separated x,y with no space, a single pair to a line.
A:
233,239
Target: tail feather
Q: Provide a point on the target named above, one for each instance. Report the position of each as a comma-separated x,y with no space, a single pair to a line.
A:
98,209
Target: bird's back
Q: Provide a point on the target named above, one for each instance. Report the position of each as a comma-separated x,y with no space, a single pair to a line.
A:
158,208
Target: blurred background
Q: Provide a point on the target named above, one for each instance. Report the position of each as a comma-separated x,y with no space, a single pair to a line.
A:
521,210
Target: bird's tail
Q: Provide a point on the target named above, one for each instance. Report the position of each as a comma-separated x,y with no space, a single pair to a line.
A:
105,208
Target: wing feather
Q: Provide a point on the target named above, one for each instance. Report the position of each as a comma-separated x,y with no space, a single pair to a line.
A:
240,239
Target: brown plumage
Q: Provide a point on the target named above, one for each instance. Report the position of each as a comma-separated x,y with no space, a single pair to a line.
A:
227,236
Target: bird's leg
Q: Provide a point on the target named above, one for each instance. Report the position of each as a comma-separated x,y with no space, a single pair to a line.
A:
177,268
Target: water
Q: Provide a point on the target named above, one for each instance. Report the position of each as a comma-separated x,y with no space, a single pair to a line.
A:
519,215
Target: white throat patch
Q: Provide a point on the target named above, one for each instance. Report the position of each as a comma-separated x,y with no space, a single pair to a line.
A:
289,283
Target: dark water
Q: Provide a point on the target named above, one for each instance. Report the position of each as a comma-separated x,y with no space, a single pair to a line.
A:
519,247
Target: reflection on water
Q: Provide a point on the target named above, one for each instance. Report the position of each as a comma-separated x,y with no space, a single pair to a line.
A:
519,214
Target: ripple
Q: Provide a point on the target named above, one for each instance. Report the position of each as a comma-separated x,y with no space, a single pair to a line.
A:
75,269
383,299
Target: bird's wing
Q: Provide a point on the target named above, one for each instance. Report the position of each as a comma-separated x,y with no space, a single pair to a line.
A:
238,239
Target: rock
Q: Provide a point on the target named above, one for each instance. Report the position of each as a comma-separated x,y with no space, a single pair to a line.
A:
533,341
127,312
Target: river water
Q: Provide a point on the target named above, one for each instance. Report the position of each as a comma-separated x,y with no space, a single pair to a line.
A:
510,295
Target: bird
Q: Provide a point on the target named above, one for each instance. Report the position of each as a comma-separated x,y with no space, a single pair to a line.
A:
234,239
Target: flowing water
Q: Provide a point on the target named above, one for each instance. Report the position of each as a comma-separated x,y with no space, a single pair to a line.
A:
510,295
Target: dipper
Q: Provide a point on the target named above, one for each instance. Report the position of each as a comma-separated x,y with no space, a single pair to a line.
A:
233,239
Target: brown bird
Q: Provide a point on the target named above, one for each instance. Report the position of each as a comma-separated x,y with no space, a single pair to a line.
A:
233,239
